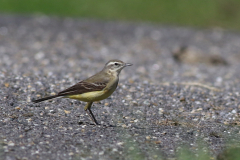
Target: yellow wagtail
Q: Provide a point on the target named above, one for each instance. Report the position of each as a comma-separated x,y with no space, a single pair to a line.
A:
95,88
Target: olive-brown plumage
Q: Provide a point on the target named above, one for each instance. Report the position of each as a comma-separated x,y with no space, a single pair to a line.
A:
95,88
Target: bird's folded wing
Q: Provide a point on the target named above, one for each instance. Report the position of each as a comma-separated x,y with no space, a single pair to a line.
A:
83,87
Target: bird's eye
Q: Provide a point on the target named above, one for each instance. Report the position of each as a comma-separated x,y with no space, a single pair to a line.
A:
116,64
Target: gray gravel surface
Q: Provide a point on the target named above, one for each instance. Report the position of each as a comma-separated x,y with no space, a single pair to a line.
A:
162,102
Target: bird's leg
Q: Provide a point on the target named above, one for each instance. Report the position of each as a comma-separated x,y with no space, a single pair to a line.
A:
88,105
95,121
87,108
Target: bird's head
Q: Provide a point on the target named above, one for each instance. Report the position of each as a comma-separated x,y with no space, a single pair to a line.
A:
115,66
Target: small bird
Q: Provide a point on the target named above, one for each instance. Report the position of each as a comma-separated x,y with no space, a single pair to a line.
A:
95,88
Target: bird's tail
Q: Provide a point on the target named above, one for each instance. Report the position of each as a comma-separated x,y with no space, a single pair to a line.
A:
44,99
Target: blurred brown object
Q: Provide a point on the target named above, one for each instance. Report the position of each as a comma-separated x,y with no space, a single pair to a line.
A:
185,54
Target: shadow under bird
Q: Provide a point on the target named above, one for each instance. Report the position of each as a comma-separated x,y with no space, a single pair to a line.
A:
95,88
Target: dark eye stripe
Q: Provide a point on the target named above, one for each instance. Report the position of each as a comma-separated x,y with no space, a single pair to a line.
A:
114,64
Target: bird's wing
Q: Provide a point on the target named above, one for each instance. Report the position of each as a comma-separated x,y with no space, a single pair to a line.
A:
83,87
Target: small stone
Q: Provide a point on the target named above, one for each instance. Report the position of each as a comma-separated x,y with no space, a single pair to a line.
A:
199,109
131,81
6,120
120,143
29,119
52,111
182,99
197,102
160,111
148,137
28,99
11,144
132,89
129,97
146,102
234,111
6,84
71,154
47,136
155,67
226,123
114,150
157,142
106,104
39,56
29,114
135,103
18,108
138,112
67,112
124,126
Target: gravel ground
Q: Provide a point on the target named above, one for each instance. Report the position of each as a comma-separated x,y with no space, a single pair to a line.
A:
184,87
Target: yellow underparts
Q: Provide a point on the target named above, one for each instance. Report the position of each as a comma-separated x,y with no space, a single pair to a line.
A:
92,96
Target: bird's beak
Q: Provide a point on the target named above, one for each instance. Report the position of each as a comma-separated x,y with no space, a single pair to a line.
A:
127,64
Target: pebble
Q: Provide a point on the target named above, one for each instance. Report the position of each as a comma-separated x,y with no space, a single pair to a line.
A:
11,144
124,126
67,112
182,99
147,102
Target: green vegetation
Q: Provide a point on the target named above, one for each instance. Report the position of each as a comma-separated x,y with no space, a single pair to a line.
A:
199,152
202,13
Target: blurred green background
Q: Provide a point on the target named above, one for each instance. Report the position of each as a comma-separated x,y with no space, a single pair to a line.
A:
200,13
